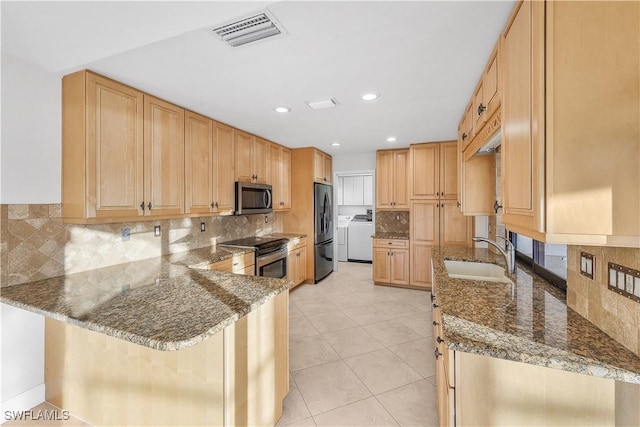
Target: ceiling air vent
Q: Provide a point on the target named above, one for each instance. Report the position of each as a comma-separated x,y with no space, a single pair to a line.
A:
248,30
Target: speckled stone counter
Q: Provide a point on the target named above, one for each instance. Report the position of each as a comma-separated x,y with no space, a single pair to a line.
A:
158,303
386,235
201,258
287,235
528,323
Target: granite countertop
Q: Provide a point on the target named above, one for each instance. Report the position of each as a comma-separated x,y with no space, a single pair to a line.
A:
395,236
530,323
159,303
201,258
287,235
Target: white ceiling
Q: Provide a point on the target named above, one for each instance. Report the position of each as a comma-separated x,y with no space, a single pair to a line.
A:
423,57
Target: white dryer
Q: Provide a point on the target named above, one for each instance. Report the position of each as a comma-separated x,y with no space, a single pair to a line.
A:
360,240
343,237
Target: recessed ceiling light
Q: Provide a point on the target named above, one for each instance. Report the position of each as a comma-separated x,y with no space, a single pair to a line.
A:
282,109
370,96
391,139
336,144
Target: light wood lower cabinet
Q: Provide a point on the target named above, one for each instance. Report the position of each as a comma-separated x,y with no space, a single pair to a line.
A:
239,264
240,376
391,262
297,260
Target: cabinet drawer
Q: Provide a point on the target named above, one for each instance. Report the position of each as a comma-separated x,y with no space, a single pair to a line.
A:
236,264
391,243
296,243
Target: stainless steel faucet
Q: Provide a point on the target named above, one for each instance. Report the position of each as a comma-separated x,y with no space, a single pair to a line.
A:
509,254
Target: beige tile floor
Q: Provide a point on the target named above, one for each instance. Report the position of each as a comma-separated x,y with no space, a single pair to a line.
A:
360,355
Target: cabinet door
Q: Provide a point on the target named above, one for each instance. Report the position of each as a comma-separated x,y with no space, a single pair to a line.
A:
244,164
260,159
164,157
519,144
421,265
466,126
319,167
368,190
455,228
347,188
478,185
491,85
478,108
302,265
358,190
275,169
401,179
425,167
199,161
115,183
224,174
381,265
285,178
425,222
449,170
328,168
292,266
384,176
400,266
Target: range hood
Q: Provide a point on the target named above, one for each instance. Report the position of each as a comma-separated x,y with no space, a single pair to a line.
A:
490,145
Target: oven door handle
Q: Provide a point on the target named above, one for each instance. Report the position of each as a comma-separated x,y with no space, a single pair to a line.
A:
269,258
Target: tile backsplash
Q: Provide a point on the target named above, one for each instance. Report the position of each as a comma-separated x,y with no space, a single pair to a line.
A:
36,244
392,222
615,314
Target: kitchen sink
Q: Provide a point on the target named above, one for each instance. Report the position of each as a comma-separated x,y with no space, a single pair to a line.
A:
476,271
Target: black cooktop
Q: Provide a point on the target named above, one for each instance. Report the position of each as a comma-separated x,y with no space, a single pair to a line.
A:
256,242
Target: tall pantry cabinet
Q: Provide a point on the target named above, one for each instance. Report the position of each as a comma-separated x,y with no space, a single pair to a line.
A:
435,217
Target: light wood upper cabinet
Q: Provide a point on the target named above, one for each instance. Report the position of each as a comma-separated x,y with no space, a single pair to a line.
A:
486,98
571,131
199,163
280,176
102,149
163,157
322,165
251,158
224,173
434,171
392,179
465,130
209,166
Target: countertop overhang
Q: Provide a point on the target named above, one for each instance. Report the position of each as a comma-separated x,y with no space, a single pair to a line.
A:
529,322
159,303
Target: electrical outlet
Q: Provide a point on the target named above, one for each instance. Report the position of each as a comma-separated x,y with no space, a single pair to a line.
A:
203,227
156,231
587,265
266,219
397,217
125,233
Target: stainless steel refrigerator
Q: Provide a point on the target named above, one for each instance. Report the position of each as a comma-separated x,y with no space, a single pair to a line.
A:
323,231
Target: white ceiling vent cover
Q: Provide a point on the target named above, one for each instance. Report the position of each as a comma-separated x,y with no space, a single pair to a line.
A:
256,27
322,103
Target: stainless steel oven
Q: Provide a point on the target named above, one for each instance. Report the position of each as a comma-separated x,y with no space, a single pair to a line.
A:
273,263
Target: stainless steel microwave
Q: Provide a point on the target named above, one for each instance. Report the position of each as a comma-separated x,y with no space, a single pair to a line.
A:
253,198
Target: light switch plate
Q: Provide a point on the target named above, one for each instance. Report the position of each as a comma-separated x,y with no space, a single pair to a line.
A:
203,227
156,231
587,265
125,233
624,281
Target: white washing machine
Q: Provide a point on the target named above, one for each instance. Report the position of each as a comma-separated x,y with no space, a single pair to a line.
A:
343,236
360,241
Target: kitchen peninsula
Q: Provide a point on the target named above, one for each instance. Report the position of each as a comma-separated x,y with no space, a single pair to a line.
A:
156,342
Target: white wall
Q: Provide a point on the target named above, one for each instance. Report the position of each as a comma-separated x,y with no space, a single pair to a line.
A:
31,133
30,169
354,162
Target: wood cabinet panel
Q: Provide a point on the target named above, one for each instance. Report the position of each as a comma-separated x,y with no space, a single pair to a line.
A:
449,170
200,156
425,222
102,149
479,185
322,167
260,159
297,264
280,176
421,265
392,179
455,228
244,160
163,157
224,173
381,265
425,171
399,266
